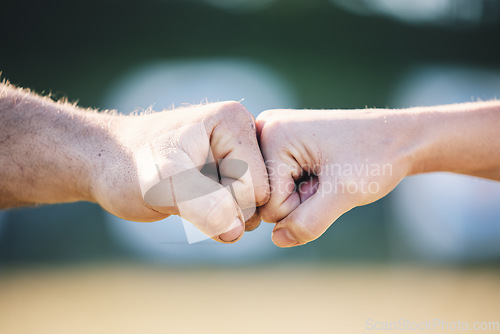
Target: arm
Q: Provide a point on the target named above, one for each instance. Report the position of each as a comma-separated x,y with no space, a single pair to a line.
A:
322,163
460,138
49,151
54,152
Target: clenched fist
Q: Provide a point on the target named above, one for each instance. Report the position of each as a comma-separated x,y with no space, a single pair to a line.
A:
322,163
200,162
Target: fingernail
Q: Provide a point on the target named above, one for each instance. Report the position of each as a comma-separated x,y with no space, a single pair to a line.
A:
283,238
233,231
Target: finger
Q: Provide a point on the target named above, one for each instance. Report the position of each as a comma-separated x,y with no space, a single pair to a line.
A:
312,217
200,200
235,140
236,176
211,209
233,233
282,168
253,222
210,168
307,188
284,199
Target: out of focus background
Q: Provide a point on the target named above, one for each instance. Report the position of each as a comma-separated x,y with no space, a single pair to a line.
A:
428,251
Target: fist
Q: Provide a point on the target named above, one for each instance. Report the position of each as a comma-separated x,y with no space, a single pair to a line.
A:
322,163
201,162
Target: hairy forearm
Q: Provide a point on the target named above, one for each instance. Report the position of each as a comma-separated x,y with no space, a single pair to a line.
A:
460,138
49,151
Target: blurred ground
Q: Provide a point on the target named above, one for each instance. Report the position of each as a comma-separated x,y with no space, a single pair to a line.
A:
313,299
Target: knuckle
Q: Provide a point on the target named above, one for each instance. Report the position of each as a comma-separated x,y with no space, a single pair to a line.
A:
271,128
269,114
231,105
272,118
236,116
233,108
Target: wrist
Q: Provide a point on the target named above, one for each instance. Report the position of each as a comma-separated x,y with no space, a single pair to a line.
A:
459,138
108,162
422,120
415,140
417,131
113,171
90,142
402,144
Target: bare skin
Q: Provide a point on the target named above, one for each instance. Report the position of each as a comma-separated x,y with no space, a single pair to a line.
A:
321,163
54,152
355,157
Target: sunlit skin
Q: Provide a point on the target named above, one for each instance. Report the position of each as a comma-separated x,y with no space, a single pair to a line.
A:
55,152
320,163
460,138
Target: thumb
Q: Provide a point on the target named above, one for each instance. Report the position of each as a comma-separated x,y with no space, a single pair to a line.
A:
312,217
205,203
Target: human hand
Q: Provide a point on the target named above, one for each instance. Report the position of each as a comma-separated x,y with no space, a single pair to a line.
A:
56,152
322,163
150,169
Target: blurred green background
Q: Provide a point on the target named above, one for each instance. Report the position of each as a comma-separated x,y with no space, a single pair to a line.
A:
332,54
